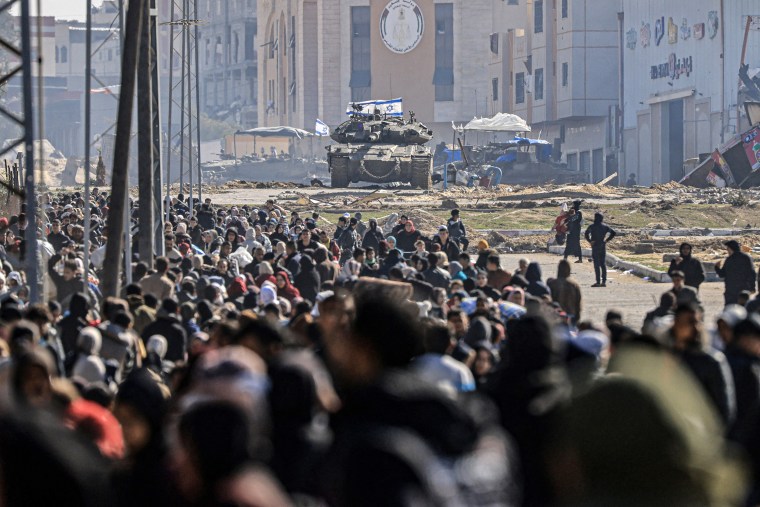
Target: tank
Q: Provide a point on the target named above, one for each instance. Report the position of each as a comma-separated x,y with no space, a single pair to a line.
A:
380,149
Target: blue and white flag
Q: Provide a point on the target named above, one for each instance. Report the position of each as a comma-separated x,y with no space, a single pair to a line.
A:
321,128
393,107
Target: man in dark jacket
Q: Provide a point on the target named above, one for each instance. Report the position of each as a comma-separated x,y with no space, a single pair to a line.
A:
574,223
737,271
67,284
373,236
434,275
448,245
167,324
56,237
598,234
692,269
457,231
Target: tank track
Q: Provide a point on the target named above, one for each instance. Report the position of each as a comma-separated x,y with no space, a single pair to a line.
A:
340,172
422,170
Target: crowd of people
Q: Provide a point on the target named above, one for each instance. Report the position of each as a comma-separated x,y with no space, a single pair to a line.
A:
269,358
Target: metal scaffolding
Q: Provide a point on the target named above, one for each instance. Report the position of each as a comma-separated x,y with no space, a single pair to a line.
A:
184,100
21,57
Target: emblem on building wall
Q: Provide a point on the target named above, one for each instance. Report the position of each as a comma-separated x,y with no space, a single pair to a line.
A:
659,30
401,25
630,38
685,29
672,32
645,34
699,31
712,24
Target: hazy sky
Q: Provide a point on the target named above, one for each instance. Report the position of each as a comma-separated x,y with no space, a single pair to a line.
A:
63,9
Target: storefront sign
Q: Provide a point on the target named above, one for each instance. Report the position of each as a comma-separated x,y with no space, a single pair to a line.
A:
699,31
630,39
685,29
645,34
672,32
673,68
401,25
659,30
712,24
751,142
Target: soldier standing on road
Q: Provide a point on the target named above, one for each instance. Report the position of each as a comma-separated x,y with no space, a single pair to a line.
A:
598,234
738,272
574,223
692,269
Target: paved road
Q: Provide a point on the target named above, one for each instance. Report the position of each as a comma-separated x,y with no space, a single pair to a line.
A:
627,293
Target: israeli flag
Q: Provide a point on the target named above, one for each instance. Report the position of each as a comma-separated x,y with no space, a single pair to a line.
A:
321,128
393,107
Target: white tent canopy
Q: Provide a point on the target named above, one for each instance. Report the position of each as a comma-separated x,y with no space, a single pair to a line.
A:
501,122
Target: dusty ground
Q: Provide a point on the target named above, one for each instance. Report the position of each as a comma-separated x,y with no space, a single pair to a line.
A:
629,294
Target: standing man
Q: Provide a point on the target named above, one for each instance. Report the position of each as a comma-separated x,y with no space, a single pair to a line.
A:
737,271
456,229
574,223
598,234
692,269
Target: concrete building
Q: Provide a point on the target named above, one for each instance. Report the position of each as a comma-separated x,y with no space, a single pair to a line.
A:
228,60
680,67
564,70
323,54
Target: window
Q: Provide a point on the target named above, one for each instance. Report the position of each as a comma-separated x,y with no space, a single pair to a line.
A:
564,74
538,16
495,88
538,84
443,78
64,54
520,88
361,75
57,54
564,8
495,43
513,2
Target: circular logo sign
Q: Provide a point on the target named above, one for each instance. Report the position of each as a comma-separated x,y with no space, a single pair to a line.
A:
401,25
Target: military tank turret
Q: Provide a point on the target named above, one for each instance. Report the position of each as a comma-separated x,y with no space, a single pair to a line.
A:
378,148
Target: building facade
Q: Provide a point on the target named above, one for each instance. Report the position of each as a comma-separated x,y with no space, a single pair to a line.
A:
228,50
681,86
433,54
564,75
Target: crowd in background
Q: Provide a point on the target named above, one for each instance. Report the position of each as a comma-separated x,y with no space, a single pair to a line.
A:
269,358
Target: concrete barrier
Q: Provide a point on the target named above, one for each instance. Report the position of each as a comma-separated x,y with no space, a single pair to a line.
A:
614,262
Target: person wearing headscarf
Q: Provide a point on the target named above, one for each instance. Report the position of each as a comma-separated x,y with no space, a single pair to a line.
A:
406,237
574,222
140,407
89,366
373,236
284,287
307,280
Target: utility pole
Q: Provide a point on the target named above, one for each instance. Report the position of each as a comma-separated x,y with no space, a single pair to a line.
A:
87,135
32,253
113,259
147,233
158,175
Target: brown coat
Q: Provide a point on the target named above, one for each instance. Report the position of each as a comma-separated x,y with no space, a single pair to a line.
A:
499,278
159,285
567,293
